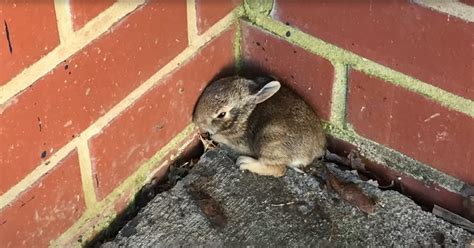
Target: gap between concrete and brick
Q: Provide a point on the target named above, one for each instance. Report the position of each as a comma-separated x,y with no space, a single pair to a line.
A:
98,217
177,170
369,148
258,14
398,161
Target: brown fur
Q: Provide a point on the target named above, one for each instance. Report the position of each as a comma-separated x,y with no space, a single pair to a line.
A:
281,131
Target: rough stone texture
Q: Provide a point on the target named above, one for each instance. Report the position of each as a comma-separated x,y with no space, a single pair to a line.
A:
295,211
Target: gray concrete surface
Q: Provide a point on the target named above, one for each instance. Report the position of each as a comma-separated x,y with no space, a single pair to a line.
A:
217,205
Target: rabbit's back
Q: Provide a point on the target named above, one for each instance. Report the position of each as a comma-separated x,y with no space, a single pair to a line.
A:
285,127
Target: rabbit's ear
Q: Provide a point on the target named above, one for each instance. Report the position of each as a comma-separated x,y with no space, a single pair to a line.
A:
267,91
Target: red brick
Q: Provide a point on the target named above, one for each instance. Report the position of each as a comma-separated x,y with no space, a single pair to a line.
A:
46,210
468,2
209,12
27,21
76,93
175,155
407,37
309,75
412,124
83,11
138,133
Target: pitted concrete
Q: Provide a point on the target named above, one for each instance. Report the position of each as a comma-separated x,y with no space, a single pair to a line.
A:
217,205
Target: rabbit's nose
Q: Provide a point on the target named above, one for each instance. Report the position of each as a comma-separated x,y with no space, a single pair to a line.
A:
207,130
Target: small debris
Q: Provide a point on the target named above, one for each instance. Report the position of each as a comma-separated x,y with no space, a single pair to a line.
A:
351,193
207,142
392,183
298,170
356,162
177,171
373,182
439,237
336,159
209,206
283,204
467,191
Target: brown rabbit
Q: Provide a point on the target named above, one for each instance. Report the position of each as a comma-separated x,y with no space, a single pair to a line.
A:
267,124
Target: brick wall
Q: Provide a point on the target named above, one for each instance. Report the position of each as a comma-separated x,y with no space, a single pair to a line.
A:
96,98
396,73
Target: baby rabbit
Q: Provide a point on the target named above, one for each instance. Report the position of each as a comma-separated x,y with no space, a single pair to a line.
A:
267,124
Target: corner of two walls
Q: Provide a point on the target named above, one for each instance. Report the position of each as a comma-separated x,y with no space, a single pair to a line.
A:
401,91
102,103
97,106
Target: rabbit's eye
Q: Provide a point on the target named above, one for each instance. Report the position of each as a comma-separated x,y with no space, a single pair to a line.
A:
221,115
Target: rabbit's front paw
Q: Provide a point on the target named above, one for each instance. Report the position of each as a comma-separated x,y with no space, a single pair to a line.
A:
255,166
247,163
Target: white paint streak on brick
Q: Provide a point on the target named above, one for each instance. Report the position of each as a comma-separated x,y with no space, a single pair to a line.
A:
431,117
450,7
63,19
68,123
78,40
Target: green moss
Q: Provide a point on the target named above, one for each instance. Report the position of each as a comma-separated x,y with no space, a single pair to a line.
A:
339,55
261,7
339,95
237,49
99,217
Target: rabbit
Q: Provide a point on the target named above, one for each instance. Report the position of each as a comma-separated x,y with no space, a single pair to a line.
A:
266,123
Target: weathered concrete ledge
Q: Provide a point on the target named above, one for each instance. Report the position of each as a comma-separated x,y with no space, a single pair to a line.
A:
219,206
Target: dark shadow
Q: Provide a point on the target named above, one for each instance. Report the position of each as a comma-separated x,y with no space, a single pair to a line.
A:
252,70
426,196
226,71
176,171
